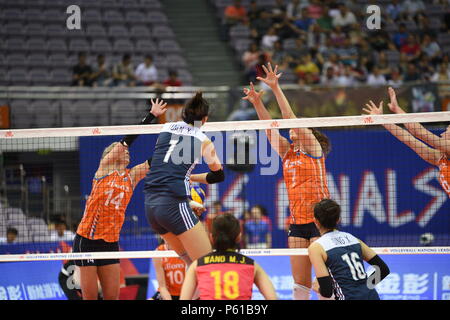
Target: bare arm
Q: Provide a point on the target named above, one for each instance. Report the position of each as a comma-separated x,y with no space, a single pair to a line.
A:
317,256
138,172
278,142
264,284
417,129
212,160
428,154
165,294
307,139
190,282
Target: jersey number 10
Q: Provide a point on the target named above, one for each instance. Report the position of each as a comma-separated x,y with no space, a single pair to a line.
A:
356,267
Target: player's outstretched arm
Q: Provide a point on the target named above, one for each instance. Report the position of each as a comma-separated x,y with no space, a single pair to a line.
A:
307,139
264,284
165,294
138,172
418,130
278,142
190,282
428,154
324,284
216,173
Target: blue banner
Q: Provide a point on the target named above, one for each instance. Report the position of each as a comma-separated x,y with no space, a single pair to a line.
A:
37,280
389,196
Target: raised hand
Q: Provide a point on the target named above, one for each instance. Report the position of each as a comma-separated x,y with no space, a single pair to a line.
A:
158,107
393,105
252,95
272,77
372,109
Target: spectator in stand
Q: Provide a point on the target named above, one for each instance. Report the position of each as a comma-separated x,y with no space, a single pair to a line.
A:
411,73
375,78
235,14
413,7
315,9
173,80
260,26
307,66
411,48
394,9
344,18
442,74
334,63
328,78
293,10
325,22
250,59
431,48
400,36
286,29
257,229
346,77
383,64
81,72
360,71
348,54
423,25
298,51
395,78
425,67
146,72
11,236
337,36
254,11
269,39
61,233
123,72
364,50
304,23
279,56
278,12
380,41
101,76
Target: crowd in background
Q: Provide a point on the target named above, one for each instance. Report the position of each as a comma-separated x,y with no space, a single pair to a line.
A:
330,45
121,74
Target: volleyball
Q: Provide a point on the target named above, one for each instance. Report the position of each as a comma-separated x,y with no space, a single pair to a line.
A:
197,197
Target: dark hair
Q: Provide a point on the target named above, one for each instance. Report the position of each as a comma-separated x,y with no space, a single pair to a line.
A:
81,54
262,209
196,109
173,73
126,56
327,212
12,230
217,202
149,56
323,140
225,230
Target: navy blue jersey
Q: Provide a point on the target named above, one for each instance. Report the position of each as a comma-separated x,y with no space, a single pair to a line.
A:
176,153
346,267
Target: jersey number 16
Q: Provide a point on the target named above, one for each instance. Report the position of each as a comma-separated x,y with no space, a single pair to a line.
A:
356,267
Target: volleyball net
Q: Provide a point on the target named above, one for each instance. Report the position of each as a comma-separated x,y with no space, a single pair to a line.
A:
390,198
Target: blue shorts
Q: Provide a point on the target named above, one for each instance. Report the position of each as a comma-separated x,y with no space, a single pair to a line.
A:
175,217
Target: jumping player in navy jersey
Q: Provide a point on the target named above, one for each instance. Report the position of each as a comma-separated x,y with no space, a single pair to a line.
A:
337,258
180,146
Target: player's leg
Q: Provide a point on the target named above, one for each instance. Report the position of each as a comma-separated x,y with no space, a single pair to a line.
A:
301,270
196,241
88,282
109,276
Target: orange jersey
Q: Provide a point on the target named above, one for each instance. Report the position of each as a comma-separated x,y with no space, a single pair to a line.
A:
105,208
174,271
444,174
306,183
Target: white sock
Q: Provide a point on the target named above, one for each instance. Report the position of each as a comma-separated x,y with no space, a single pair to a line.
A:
300,292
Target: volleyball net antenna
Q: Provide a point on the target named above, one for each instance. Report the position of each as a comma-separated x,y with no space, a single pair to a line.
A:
389,196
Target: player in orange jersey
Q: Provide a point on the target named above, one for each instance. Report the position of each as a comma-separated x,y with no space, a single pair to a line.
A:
225,274
439,152
99,229
170,275
304,175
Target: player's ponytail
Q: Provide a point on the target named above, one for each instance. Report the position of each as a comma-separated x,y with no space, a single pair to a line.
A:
323,140
328,213
225,232
195,110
